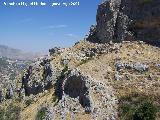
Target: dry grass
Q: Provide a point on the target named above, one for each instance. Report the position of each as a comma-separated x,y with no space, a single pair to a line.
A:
30,112
102,68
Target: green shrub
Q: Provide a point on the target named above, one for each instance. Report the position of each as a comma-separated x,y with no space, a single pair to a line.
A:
41,113
147,111
127,112
137,107
2,114
12,112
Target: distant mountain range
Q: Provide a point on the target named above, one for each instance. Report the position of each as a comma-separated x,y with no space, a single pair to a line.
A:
13,53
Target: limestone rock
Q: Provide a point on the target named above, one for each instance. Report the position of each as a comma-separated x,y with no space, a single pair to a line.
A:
140,67
117,76
119,20
9,93
79,93
39,77
119,65
75,85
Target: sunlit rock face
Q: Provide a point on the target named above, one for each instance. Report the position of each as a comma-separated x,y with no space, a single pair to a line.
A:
38,77
82,93
119,20
76,86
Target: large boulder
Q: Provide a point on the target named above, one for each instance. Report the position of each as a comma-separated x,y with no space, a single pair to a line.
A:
38,77
76,85
81,93
119,20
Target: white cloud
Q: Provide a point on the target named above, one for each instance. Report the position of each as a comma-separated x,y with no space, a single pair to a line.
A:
71,35
61,26
54,26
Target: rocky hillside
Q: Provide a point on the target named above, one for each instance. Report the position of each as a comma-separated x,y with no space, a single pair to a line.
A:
9,71
112,75
92,81
119,20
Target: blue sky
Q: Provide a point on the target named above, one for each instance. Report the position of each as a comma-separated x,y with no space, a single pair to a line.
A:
39,28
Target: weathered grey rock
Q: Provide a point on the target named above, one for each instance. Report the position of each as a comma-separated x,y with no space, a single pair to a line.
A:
117,76
79,93
158,65
65,60
119,65
22,93
1,96
9,93
135,66
140,67
49,114
47,70
75,86
119,20
33,83
54,50
128,65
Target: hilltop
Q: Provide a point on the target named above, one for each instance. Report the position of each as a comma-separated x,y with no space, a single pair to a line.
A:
113,74
92,81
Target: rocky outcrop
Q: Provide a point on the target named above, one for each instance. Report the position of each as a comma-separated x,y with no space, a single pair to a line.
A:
38,78
7,91
76,85
10,92
81,93
139,67
119,20
54,50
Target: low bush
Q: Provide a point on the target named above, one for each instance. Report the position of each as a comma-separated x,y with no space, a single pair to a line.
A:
11,112
41,113
146,111
137,107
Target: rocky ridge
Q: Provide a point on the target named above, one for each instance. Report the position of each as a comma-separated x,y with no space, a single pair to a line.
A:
91,79
119,20
90,86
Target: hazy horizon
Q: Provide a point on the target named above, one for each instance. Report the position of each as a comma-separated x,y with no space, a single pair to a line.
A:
36,29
